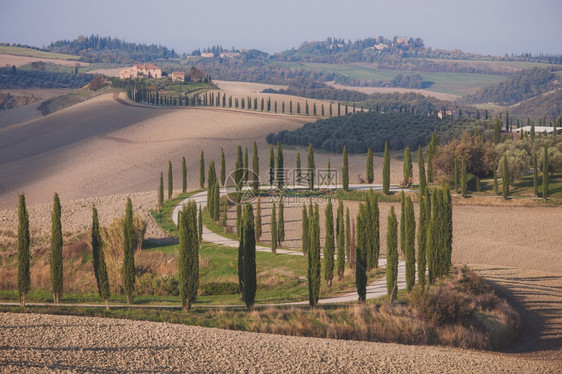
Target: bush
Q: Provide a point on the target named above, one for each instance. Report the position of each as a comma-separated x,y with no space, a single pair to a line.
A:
219,288
444,305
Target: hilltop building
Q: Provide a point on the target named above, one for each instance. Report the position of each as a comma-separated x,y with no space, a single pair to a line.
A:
178,76
229,54
142,71
207,54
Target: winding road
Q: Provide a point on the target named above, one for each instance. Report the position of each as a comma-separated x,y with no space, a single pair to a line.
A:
375,289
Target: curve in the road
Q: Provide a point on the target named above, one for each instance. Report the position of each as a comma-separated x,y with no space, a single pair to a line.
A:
374,290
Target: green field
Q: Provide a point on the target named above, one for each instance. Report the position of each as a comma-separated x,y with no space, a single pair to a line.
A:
19,51
449,83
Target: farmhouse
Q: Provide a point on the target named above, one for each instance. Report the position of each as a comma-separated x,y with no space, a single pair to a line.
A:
208,54
178,76
141,71
230,54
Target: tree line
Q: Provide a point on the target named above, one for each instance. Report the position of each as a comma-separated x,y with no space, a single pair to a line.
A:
20,78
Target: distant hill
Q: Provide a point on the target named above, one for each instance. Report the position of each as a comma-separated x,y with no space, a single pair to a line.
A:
521,86
547,105
95,48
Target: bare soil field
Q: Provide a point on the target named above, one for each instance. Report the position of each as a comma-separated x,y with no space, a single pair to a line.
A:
246,87
24,60
387,90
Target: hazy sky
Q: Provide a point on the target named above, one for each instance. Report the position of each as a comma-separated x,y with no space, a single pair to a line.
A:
482,26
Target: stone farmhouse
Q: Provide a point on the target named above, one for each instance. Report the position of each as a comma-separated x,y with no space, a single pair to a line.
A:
178,76
142,71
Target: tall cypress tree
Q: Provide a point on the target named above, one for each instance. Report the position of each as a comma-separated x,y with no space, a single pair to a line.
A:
545,174
535,175
314,257
100,268
24,256
456,181
305,231
239,169
246,165
280,171
421,171
281,224
223,168
496,188
391,256
340,239
432,147
407,164
386,170
310,166
258,221
161,191
299,171
271,165
402,222
370,167
345,170
255,169
200,224
170,180
56,250
202,170
361,255
422,239
348,233
274,238
128,253
183,176
409,246
329,247
248,258
505,178
188,261
212,181
464,182
238,219
375,230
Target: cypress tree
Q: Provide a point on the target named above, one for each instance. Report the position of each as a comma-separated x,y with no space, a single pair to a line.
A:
255,169
216,199
351,259
375,231
56,250
200,224
258,221
310,166
128,253
409,246
361,255
246,165
422,239
305,231
224,204
497,131
456,174
239,169
447,228
407,165
271,166
348,232
188,261
183,175
505,178
281,224
223,168
432,147
370,167
329,247
464,182
299,171
545,174
202,170
314,257
161,191
24,256
345,170
280,171
238,219
496,188
274,238
212,181
402,222
535,175
391,256
340,235
248,258
386,170
170,180
100,268
421,171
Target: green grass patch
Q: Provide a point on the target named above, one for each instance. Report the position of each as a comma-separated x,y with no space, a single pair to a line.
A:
163,216
29,52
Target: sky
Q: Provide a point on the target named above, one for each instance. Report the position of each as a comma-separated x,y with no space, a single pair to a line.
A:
494,27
